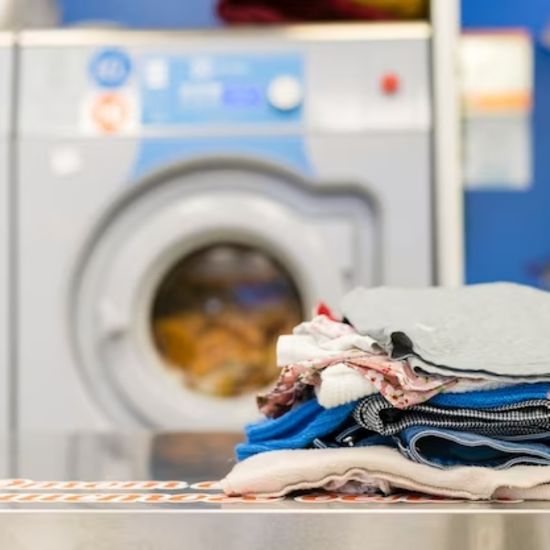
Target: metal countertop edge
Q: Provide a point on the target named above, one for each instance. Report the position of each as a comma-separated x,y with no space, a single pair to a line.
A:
286,511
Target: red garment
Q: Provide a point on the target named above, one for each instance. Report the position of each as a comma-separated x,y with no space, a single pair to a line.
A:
287,11
323,309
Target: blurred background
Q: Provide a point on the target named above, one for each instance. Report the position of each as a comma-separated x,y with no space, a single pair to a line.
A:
184,181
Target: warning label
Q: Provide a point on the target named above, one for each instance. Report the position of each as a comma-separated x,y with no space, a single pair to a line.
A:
109,113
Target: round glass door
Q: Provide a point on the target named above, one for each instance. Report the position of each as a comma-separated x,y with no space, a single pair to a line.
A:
216,316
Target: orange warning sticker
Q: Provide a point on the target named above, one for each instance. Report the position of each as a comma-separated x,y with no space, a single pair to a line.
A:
180,492
110,113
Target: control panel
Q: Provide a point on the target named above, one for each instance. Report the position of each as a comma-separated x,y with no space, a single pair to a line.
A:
247,85
219,89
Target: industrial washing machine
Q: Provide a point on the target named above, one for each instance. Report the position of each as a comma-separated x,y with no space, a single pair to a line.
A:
185,197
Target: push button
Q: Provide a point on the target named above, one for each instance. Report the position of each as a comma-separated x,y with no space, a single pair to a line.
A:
390,84
285,93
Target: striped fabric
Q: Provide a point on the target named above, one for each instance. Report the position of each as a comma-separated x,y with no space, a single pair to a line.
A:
522,418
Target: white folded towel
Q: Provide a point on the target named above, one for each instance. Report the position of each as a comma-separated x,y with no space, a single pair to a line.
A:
278,473
341,384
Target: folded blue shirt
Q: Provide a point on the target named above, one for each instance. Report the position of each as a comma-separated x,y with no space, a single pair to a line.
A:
312,425
294,430
485,399
286,425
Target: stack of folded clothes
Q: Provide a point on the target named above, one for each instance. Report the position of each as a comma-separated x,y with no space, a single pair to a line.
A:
439,391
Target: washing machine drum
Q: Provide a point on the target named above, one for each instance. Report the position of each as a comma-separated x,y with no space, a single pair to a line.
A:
183,290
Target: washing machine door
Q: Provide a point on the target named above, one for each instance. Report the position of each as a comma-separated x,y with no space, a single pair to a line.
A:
188,282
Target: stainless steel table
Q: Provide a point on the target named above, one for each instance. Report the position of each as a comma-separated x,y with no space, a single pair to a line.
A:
67,515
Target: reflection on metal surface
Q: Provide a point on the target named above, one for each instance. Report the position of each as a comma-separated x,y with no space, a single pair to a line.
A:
192,461
193,457
217,315
64,530
78,515
126,497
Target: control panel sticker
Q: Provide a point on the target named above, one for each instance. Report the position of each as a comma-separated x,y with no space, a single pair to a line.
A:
213,89
110,68
109,113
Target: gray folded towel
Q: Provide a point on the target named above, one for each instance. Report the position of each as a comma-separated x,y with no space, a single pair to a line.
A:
493,331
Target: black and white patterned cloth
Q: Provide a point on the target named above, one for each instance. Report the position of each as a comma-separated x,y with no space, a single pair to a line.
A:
522,418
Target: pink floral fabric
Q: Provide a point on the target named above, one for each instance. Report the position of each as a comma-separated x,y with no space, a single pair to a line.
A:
339,343
395,380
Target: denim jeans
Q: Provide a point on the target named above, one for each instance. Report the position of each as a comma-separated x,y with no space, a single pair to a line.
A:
444,448
350,434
